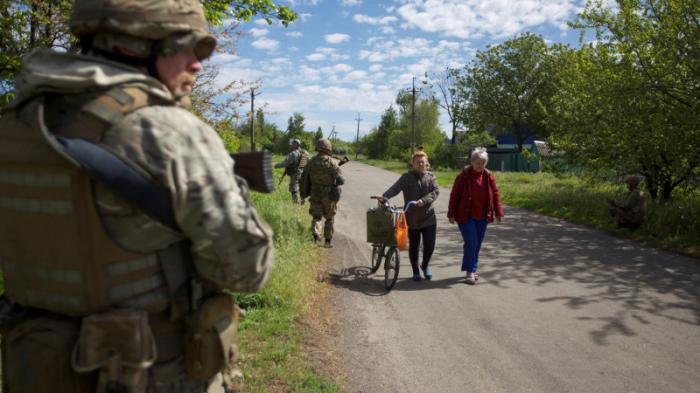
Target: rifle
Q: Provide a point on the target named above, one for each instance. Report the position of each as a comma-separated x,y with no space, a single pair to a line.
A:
256,168
282,178
343,160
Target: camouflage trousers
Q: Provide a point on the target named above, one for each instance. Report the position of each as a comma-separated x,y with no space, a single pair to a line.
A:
294,180
322,209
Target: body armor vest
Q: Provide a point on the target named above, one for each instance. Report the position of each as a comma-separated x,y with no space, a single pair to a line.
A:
54,251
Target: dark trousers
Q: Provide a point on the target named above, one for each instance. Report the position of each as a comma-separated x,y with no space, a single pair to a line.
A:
414,235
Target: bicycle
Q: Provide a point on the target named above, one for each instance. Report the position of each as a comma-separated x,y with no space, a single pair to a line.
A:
384,244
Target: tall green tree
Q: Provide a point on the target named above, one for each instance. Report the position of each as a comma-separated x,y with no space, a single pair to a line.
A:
507,87
295,125
453,99
376,142
427,131
631,102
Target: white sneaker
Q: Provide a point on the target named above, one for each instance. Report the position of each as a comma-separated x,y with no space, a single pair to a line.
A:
471,278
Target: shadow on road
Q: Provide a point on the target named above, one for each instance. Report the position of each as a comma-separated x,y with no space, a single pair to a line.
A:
538,250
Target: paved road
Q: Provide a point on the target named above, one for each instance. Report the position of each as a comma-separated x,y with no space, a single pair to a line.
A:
558,308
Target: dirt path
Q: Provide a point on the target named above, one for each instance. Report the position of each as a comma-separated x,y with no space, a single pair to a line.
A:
558,308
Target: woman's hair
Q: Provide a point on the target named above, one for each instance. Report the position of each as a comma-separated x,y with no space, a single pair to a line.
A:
419,153
480,153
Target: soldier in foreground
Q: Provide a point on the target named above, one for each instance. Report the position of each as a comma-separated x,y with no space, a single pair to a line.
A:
321,182
122,220
294,165
629,213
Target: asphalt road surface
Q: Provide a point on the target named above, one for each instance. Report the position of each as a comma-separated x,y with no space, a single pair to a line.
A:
558,308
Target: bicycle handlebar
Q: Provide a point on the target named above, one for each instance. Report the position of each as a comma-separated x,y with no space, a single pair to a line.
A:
387,205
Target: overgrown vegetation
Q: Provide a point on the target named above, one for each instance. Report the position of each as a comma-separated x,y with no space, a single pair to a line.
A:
582,199
270,337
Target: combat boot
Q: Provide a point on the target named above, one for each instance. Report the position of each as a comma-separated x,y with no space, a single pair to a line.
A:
328,244
317,240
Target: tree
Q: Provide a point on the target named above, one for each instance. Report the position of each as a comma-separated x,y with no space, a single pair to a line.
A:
454,100
631,102
427,131
507,87
295,125
376,142
27,25
318,135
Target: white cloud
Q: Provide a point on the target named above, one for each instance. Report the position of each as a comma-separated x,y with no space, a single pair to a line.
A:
330,53
354,76
266,43
294,34
261,22
375,67
255,32
296,3
360,18
342,67
336,38
387,50
316,57
387,30
496,18
304,17
350,3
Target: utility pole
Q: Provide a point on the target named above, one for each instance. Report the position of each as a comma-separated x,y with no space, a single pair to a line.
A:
357,138
252,118
413,116
331,135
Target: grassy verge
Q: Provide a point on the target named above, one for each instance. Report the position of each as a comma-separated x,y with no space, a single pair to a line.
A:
271,338
674,225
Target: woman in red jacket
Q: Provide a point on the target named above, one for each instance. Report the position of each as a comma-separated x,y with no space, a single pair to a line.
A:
474,201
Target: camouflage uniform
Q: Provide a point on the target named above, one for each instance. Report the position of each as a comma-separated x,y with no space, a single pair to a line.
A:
322,175
176,150
630,212
295,172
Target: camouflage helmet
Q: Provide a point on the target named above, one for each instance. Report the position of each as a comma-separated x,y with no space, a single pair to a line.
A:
324,145
293,141
160,27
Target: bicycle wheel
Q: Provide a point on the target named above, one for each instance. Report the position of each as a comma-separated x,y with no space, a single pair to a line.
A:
391,268
377,254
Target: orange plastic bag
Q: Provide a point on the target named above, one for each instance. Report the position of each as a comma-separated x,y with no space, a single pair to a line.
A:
401,232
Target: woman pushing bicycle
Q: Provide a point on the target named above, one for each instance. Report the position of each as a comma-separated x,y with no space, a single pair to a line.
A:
419,185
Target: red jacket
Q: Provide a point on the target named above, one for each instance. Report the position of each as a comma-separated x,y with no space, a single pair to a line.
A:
460,200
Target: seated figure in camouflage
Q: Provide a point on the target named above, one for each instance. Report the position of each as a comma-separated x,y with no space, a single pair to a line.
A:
629,213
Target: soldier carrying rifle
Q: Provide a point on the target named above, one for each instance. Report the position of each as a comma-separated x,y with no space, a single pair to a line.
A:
294,165
123,224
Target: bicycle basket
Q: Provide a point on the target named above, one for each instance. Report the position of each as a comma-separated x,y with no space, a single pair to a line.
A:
381,225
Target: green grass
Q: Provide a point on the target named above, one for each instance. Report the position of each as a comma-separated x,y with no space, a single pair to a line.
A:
271,340
674,225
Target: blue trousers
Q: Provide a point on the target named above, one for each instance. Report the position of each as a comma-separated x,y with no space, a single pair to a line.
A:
473,233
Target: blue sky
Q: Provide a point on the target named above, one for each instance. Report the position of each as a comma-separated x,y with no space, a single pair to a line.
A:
344,57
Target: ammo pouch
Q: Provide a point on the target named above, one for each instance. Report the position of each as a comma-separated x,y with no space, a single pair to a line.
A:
37,357
210,339
334,193
120,344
